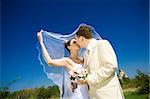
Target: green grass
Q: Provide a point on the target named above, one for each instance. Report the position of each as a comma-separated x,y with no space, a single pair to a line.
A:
136,96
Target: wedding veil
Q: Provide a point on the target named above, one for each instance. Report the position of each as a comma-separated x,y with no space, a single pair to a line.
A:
54,43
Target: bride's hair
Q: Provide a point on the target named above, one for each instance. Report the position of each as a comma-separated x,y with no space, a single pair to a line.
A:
67,44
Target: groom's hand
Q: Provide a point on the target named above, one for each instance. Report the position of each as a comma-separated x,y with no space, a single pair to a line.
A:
82,82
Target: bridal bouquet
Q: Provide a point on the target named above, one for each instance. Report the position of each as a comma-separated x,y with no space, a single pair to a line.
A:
75,75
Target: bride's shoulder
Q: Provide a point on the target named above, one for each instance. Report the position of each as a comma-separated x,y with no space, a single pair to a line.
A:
69,60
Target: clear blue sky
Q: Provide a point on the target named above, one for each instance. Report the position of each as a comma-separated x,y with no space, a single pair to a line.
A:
123,22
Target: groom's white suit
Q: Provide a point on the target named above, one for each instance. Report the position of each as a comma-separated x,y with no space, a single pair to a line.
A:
101,63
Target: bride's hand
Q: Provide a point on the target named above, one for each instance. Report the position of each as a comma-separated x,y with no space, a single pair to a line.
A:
39,36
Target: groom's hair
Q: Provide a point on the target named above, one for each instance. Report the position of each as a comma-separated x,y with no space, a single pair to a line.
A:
84,31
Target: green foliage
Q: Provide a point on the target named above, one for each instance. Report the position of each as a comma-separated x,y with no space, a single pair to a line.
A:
136,96
54,90
4,92
140,81
35,93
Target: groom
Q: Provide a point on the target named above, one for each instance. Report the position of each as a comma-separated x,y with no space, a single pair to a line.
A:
101,63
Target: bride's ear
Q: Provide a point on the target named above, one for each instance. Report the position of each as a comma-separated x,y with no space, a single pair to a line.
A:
68,47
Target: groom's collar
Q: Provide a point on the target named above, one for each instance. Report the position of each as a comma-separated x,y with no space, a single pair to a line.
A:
91,44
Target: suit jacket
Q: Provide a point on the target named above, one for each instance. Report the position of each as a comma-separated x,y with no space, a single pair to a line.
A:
101,62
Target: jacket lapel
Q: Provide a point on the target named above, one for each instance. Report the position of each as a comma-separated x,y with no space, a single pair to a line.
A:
88,57
88,54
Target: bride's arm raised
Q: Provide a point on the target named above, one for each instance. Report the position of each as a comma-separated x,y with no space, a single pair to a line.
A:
68,63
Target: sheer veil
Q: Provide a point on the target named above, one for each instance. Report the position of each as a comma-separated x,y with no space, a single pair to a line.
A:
54,43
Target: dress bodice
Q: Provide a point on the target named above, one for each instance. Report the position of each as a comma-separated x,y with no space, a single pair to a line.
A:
78,66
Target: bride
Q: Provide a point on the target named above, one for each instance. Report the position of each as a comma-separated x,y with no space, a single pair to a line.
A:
71,63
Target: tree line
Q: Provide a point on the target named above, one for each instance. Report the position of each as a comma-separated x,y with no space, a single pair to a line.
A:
140,81
32,93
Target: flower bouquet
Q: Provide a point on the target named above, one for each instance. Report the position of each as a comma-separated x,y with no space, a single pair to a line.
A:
75,75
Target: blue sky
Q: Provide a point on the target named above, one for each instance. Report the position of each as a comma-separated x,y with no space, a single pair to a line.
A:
123,22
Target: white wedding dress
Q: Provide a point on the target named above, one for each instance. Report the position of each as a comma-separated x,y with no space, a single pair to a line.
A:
81,92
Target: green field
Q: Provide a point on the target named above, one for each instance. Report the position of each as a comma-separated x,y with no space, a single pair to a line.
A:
136,96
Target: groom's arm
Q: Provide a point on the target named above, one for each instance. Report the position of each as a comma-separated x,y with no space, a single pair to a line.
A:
108,64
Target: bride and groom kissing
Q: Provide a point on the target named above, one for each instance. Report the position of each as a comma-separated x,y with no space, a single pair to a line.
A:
93,76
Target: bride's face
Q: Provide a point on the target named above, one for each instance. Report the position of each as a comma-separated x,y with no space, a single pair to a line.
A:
73,45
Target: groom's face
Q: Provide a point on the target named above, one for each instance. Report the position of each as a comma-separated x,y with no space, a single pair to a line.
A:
79,41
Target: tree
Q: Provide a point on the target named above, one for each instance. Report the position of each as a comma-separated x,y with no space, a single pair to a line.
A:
43,93
4,92
142,81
